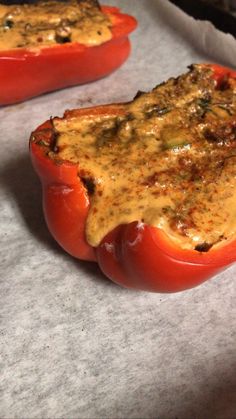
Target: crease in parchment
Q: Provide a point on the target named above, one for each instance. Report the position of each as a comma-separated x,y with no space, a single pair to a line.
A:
203,35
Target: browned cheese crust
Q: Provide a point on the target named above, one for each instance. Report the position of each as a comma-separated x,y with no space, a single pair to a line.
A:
169,161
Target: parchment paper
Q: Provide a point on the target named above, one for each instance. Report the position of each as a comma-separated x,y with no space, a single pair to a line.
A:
74,345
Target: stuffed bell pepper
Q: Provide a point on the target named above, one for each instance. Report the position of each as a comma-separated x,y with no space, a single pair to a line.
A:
147,188
48,45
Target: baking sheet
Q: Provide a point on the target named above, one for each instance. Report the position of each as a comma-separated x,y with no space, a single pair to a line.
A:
74,345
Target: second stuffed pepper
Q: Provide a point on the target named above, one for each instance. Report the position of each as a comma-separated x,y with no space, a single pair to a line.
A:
48,45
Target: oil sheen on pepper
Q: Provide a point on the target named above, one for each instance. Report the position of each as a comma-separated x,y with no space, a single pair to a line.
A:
53,22
168,161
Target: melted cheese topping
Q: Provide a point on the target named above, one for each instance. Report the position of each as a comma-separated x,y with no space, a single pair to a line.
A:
169,161
51,22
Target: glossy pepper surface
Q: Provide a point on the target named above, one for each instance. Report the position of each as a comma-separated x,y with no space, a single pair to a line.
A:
25,73
134,255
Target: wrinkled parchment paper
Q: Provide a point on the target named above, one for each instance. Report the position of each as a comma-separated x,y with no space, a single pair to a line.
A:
74,345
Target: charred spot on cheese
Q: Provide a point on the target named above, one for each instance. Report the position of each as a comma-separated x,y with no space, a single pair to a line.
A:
169,159
52,22
203,247
88,183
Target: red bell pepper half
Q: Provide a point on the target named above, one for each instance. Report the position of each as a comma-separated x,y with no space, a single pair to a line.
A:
25,73
135,255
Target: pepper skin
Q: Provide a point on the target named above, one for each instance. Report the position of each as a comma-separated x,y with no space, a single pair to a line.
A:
135,255
25,73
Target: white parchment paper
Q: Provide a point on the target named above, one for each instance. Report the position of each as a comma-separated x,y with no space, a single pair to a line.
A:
74,345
